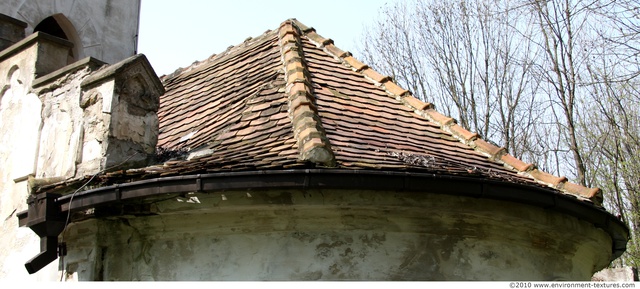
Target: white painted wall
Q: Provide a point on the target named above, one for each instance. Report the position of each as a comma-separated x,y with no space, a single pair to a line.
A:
105,29
20,123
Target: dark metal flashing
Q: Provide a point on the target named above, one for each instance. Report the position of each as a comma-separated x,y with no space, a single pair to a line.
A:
336,179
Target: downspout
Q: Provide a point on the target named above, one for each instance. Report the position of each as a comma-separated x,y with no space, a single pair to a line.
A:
47,221
136,36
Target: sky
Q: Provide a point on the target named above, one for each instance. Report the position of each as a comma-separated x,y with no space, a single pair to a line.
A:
175,33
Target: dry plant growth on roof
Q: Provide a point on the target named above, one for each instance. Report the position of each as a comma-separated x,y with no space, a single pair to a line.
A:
554,82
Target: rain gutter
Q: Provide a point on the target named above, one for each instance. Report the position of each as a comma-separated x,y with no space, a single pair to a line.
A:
46,210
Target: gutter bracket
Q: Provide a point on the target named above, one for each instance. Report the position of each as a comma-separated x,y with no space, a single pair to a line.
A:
44,217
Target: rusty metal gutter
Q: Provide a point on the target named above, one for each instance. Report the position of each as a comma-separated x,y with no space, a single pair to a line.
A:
38,218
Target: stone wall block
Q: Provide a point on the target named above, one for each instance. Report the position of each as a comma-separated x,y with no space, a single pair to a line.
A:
94,124
32,57
126,97
61,133
52,53
11,31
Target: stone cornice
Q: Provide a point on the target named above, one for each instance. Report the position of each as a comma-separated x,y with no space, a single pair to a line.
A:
31,40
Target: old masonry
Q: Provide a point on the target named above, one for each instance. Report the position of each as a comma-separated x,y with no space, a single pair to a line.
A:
281,158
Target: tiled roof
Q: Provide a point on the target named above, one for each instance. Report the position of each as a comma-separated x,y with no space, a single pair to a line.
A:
291,99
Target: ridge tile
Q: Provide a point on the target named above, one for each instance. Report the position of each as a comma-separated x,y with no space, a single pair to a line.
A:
416,103
291,98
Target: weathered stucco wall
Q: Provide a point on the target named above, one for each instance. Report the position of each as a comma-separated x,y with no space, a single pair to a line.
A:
121,125
334,235
55,125
43,127
20,123
106,30
61,126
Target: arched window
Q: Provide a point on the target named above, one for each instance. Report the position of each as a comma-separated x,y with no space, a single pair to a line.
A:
50,26
59,26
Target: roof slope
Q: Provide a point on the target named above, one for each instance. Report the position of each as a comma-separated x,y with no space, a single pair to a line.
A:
291,99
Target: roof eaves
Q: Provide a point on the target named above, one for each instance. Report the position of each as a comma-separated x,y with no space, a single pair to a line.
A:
448,124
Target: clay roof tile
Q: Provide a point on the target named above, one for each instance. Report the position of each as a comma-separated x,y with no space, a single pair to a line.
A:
290,98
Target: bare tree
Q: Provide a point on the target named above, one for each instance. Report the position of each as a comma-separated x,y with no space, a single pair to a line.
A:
463,57
620,32
560,23
611,122
612,136
554,81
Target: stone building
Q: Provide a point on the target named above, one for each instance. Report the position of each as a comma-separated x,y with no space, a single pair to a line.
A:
281,158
